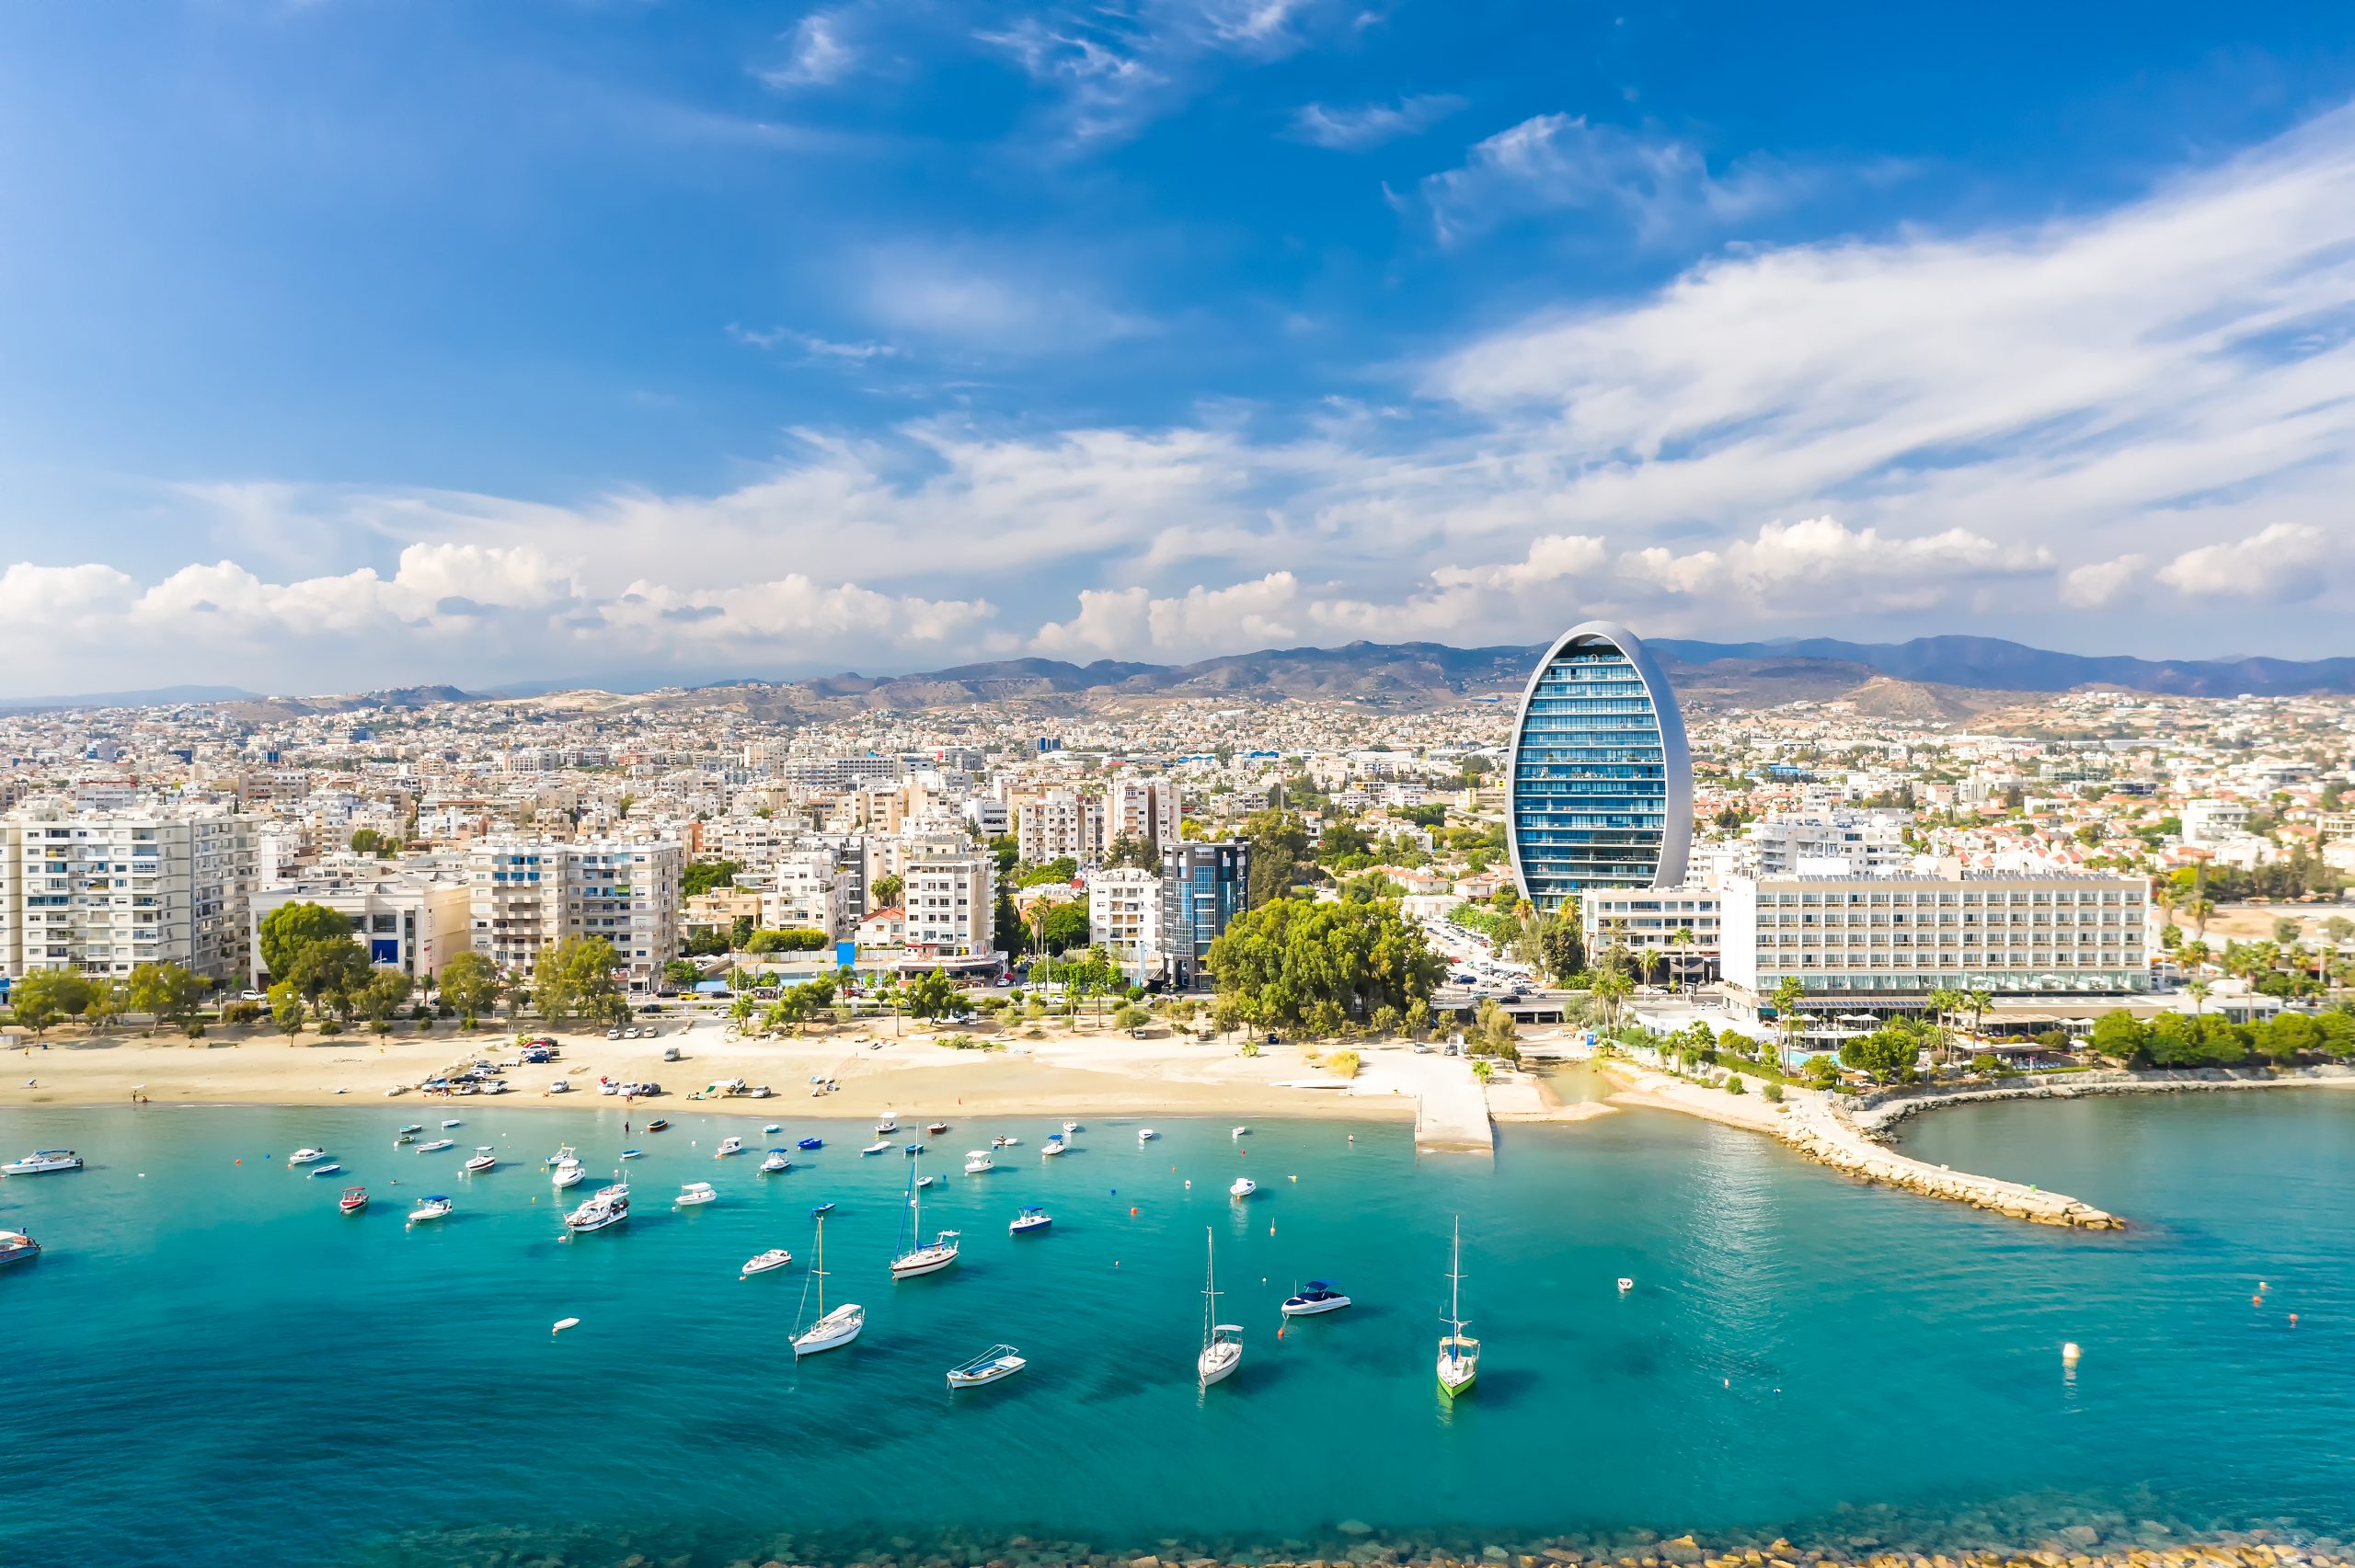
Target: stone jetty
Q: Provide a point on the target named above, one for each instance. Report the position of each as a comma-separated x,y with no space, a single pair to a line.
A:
1819,1128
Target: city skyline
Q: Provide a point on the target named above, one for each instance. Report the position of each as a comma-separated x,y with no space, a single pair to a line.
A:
582,343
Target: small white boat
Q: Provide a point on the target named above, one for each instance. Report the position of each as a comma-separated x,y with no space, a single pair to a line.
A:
483,1159
412,1129
1070,1128
776,1257
633,1154
832,1330
1626,1285
300,1157
1222,1343
1004,1142
730,1145
1319,1295
454,1122
1029,1219
564,1152
438,1145
776,1162
434,1208
977,1161
999,1361
567,1174
880,1146
774,1128
43,1161
607,1206
17,1247
329,1169
887,1124
1239,1132
1051,1147
1146,1135
1241,1187
925,1181
694,1193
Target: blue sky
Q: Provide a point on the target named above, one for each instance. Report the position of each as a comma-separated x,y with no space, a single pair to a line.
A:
358,342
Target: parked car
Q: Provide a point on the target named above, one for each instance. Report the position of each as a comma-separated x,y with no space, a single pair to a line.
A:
669,1053
613,1033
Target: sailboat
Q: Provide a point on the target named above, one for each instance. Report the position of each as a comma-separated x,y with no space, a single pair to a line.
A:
1459,1354
1222,1343
915,1258
832,1330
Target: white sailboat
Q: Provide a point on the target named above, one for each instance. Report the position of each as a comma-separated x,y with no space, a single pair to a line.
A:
913,1257
1222,1343
1459,1354
832,1330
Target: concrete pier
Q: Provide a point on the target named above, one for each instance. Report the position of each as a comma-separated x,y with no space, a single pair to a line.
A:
1451,1110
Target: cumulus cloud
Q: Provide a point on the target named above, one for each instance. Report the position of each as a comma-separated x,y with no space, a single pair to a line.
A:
820,56
1345,129
1822,556
2287,561
2096,585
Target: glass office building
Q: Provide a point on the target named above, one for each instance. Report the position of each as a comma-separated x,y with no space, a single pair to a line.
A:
1600,792
1205,885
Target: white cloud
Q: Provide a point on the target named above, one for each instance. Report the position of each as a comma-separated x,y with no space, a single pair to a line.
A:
1029,305
2096,585
1821,559
1550,560
2286,562
820,55
1370,125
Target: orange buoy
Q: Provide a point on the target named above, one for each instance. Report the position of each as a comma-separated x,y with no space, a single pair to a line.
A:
1133,1209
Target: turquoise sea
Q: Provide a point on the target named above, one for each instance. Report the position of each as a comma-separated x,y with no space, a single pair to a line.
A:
212,1366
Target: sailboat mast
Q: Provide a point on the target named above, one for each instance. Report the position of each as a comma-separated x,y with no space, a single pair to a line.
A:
1455,1279
1210,1283
819,1274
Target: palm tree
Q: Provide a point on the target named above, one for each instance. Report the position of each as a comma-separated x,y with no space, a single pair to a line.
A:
1611,986
1944,1002
2198,991
1788,995
1681,937
1978,1002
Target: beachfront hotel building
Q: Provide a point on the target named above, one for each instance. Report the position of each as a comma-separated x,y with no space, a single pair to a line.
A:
1648,920
105,891
527,894
1600,784
1882,944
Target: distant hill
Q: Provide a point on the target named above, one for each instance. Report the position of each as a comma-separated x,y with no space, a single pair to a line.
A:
1993,664
160,697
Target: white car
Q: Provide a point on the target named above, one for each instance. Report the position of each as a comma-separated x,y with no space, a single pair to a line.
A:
559,1087
629,1034
613,1033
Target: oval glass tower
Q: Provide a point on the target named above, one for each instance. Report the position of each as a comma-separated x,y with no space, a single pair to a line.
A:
1600,791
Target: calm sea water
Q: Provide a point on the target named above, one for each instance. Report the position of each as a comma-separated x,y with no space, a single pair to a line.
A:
212,1366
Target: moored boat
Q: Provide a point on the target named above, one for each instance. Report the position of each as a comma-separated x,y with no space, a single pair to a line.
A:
301,1157
438,1145
434,1208
633,1154
1070,1128
977,1161
728,1145
1052,1147
1222,1343
694,1193
762,1262
935,1130
809,1143
1028,1220
1242,1188
567,1174
329,1169
1459,1354
914,1259
999,1361
776,1162
482,1159
606,1206
832,1330
880,1146
42,1163
17,1247
658,1125
1316,1296
353,1200
1004,1142
1146,1135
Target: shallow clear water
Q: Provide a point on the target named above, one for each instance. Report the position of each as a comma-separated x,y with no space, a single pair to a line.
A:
212,1365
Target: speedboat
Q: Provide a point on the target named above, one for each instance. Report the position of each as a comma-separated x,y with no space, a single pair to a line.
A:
773,1127
607,1206
936,1129
433,1207
17,1247
977,1161
1242,1187
1070,1128
825,1208
776,1257
1318,1295
483,1159
563,1153
925,1181
567,1174
404,1136
658,1125
998,1361
1051,1147
880,1146
1004,1142
438,1145
776,1161
728,1145
886,1124
300,1157
1146,1135
45,1160
694,1193
353,1200
811,1143
329,1169
1029,1219
633,1154
916,1149
452,1122
1239,1132
412,1129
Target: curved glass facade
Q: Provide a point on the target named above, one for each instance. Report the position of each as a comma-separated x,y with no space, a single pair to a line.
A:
1602,786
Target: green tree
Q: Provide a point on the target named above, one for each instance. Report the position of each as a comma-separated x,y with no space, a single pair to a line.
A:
885,893
383,993
740,932
1064,926
1552,943
286,1007
932,996
165,992
43,996
703,876
330,973
1611,986
1343,1064
1005,923
1886,1053
110,1000
2119,1036
678,972
798,940
2289,1036
1493,1034
470,984
1790,995
1293,963
1279,846
289,928
575,979
367,840
1128,850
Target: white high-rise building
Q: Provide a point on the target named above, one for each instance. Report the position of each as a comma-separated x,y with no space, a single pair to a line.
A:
1148,809
103,892
806,891
1867,840
1058,823
1124,916
949,894
535,893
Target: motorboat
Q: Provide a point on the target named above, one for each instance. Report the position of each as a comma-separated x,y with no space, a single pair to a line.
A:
927,1181
17,1247
936,1129
567,1174
606,1206
1004,1142
998,1362
762,1262
886,1124
776,1161
914,1148
413,1129
300,1157
658,1125
731,1144
1070,1128
329,1169
564,1152
811,1143
825,1208
438,1145
1316,1296
353,1200
1029,1219
835,1328
912,1258
633,1154
481,1161
1146,1135
1051,1147
694,1193
434,1208
1222,1343
1459,1354
1241,1187
880,1146
978,1161
452,1122
1239,1132
43,1161
404,1136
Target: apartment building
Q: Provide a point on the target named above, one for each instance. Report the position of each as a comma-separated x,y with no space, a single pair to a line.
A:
1125,917
1144,809
535,893
408,920
1058,823
2212,822
806,891
1646,920
1205,885
1890,941
949,893
105,891
1868,841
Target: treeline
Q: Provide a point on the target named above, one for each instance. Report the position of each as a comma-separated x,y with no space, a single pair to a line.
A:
2175,1039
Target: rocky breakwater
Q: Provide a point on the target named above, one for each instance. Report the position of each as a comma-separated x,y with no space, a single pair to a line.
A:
1817,1126
1885,1108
